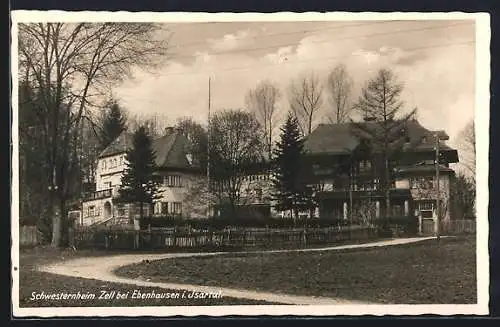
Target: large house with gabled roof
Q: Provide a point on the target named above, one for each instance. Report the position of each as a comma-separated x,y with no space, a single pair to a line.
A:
176,169
346,172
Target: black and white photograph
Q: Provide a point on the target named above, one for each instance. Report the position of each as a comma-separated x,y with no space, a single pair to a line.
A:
184,164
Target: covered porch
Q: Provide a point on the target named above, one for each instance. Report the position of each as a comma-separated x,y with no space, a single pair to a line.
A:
363,207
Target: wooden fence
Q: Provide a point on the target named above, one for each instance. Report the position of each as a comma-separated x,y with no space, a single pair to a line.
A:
29,236
235,239
457,227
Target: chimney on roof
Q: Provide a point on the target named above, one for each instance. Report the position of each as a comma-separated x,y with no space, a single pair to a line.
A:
442,135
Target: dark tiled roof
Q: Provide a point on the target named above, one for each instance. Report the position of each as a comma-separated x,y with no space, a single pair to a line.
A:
345,137
171,152
170,149
331,139
120,145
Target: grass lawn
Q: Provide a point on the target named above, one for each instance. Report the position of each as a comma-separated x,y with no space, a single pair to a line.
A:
419,273
31,281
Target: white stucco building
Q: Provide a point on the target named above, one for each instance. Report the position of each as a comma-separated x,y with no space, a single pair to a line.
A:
175,170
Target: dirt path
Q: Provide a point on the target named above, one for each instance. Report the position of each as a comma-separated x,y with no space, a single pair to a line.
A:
101,268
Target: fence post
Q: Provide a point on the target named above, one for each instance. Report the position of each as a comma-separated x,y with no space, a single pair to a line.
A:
71,237
419,223
136,239
228,237
106,241
174,237
305,237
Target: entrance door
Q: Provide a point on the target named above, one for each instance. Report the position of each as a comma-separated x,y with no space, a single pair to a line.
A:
107,210
426,210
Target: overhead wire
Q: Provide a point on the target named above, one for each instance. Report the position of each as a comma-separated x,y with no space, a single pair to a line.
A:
328,58
204,42
330,39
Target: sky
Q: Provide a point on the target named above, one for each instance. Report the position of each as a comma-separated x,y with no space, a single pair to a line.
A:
434,59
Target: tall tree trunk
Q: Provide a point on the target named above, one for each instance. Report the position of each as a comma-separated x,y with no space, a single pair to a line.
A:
270,145
305,231
387,188
63,239
56,220
233,209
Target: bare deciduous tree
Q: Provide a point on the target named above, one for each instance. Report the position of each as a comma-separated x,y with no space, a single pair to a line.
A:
365,212
467,147
340,87
262,101
89,149
306,100
153,123
70,65
463,197
235,146
197,198
197,137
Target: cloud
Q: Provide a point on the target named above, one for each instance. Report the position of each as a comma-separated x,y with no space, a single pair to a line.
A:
368,57
443,93
389,56
231,41
280,56
203,57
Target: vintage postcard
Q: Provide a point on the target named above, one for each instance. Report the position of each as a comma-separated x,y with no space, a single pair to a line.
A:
309,164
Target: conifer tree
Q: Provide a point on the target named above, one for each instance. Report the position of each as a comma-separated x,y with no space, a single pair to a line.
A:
291,191
114,123
138,182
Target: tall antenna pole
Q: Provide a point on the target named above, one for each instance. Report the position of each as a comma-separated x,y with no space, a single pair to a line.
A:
437,222
208,150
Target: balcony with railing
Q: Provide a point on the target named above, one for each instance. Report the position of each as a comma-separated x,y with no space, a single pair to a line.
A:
101,194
